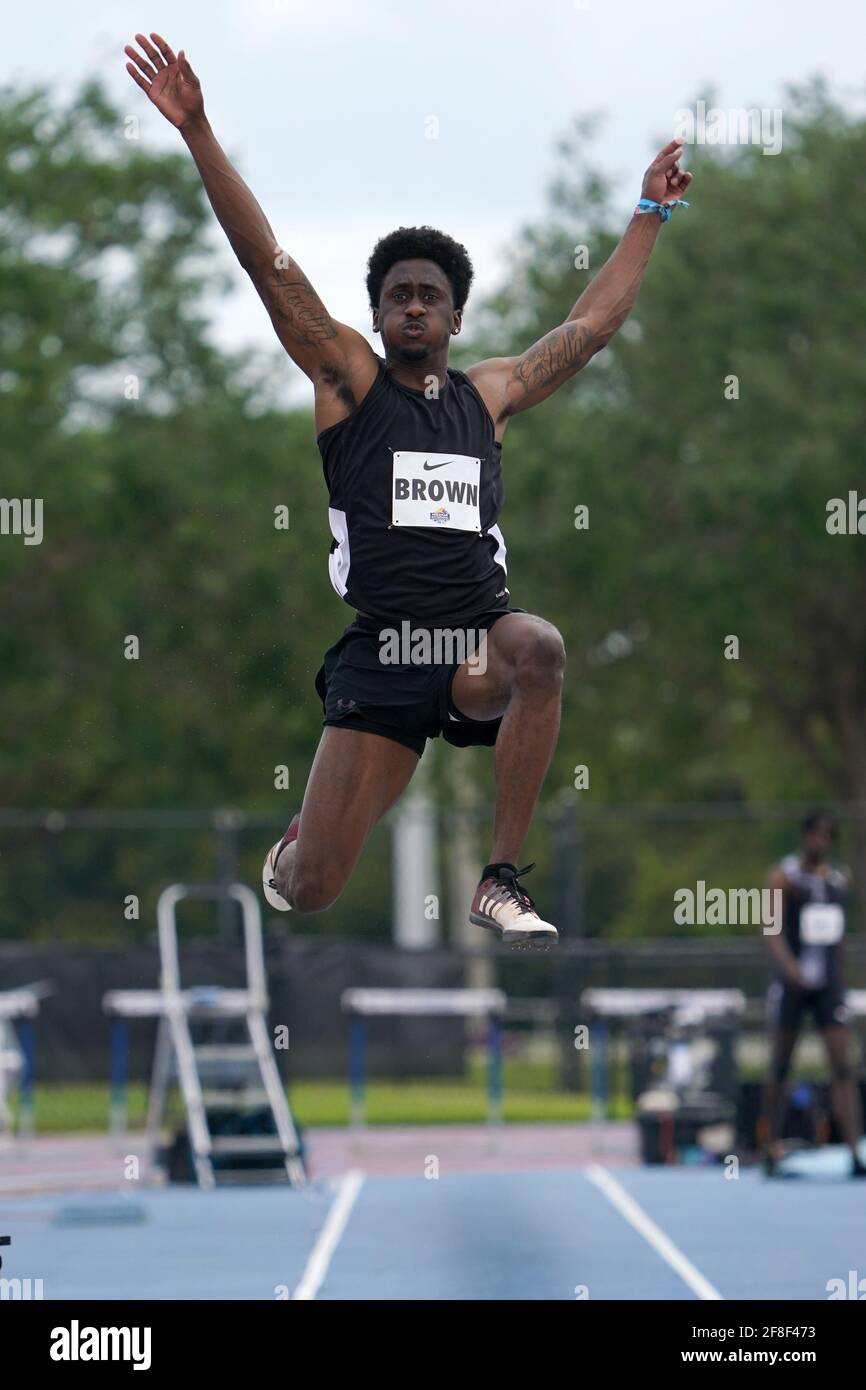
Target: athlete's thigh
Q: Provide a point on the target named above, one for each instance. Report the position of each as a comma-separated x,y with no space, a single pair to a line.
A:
783,1042
482,685
356,776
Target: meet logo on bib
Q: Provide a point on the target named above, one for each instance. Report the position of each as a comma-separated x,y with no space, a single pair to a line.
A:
436,490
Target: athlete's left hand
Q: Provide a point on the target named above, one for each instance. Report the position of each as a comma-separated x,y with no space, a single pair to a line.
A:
664,180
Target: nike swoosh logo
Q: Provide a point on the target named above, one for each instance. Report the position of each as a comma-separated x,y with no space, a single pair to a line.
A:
428,466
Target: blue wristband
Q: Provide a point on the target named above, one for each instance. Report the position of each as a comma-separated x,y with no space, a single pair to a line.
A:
647,205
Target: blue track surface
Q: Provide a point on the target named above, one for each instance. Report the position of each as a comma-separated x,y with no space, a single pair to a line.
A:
503,1236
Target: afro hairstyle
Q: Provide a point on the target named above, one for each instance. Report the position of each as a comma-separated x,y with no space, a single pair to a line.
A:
420,243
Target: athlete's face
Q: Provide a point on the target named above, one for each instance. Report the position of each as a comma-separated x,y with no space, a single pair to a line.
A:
416,315
817,842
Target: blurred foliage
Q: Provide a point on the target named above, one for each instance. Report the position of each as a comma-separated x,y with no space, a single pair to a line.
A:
161,464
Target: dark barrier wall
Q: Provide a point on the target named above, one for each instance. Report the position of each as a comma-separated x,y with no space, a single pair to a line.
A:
307,977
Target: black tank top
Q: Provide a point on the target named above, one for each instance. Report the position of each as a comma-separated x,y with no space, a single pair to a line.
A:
815,937
415,489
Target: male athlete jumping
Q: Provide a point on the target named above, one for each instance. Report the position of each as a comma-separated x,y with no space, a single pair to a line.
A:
412,458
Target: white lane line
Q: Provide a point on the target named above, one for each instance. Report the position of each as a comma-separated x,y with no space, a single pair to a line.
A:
652,1234
329,1236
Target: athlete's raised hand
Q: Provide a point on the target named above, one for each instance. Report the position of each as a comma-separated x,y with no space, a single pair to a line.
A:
664,180
169,81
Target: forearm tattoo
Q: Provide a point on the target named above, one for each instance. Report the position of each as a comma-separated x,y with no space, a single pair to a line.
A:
296,302
555,357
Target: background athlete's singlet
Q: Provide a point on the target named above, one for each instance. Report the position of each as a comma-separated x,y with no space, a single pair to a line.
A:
415,489
814,920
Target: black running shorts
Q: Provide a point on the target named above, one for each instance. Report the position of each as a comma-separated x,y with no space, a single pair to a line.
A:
786,1005
362,687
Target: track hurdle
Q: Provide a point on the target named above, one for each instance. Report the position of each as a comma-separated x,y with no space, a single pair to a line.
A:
18,1009
361,1004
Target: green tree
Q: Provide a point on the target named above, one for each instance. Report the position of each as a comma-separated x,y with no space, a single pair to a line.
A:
161,461
707,513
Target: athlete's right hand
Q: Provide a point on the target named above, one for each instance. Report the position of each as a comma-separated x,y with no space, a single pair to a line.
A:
795,977
169,81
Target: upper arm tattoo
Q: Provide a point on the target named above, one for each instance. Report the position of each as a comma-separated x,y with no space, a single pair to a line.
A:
553,359
299,307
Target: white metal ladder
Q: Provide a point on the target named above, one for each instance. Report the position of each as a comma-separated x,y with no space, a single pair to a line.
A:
253,1062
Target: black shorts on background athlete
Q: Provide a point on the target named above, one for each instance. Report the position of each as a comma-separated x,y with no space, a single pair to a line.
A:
786,1006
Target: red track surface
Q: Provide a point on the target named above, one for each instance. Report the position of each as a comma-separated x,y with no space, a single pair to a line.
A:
98,1162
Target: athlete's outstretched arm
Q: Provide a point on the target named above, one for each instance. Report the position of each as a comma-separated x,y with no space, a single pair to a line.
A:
315,341
512,384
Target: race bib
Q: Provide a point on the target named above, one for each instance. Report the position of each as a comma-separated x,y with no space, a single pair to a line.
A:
439,490
821,924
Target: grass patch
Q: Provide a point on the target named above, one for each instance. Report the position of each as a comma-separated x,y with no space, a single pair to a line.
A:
531,1093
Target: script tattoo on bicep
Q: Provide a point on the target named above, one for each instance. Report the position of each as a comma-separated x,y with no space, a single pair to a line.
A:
556,357
297,303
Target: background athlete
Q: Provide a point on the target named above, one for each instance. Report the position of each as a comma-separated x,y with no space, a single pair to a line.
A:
411,450
807,955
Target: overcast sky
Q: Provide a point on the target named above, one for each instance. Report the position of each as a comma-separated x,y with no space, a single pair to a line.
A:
325,104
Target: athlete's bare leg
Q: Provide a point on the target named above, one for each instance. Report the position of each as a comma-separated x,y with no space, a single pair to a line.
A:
776,1088
843,1086
354,779
522,681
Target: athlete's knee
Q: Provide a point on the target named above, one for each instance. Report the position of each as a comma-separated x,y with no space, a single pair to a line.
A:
540,656
841,1071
